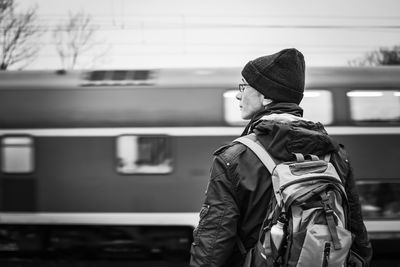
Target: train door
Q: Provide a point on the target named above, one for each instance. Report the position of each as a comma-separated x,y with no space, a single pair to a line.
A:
17,182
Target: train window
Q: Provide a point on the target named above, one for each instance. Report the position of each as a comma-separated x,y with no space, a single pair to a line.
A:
97,75
119,75
143,154
374,106
317,105
141,75
380,199
17,154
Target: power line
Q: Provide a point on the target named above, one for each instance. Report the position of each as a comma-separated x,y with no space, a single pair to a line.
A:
231,25
222,15
218,44
189,52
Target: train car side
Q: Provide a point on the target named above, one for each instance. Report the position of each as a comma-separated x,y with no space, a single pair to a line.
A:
134,148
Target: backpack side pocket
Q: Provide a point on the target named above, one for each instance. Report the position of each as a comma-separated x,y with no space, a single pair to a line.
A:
318,251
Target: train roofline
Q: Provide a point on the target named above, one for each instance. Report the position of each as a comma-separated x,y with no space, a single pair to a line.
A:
225,77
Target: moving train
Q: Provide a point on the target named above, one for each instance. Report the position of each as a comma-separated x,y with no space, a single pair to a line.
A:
115,162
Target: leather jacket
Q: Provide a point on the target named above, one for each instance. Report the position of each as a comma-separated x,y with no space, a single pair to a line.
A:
240,189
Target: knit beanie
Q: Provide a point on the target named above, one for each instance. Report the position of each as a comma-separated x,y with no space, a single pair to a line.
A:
279,76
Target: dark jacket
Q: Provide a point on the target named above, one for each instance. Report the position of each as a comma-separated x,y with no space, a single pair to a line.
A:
240,188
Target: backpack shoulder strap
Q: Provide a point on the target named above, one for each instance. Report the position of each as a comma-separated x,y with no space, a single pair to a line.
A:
259,150
251,142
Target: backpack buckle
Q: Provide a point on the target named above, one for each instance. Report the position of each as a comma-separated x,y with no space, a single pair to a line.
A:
328,211
326,202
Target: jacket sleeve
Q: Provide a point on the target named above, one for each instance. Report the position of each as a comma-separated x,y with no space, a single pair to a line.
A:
215,235
361,244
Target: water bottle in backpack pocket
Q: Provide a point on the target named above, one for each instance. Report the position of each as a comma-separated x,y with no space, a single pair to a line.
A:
278,234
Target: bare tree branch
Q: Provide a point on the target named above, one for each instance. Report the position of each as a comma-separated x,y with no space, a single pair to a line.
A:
18,35
382,56
74,38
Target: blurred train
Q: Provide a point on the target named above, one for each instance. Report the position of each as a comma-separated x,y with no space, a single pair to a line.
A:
115,162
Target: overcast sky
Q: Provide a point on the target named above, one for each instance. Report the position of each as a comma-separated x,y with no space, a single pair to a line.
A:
185,33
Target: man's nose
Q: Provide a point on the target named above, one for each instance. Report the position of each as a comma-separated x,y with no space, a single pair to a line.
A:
239,96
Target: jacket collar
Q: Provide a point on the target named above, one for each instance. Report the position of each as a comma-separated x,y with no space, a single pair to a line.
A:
282,117
270,109
285,134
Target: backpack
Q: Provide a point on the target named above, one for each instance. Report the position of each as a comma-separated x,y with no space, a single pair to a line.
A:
311,204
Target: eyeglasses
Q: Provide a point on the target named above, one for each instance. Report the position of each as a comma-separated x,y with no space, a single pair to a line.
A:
242,86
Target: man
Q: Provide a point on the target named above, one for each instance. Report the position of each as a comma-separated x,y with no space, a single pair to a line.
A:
240,186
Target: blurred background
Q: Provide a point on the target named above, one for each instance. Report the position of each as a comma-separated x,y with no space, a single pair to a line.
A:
132,34
110,111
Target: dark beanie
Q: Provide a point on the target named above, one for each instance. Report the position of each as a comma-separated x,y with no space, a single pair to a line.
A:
279,76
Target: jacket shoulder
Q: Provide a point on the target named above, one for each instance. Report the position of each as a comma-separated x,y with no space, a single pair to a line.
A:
230,151
341,162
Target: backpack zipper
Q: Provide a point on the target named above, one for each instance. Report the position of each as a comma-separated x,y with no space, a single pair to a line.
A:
327,252
328,178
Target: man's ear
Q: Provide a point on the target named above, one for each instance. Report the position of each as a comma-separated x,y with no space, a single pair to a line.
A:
266,101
